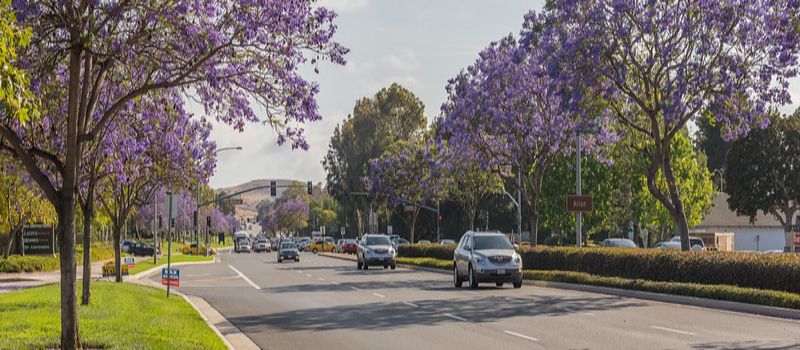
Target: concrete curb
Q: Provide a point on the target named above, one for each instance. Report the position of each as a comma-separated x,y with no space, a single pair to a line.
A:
723,305
233,338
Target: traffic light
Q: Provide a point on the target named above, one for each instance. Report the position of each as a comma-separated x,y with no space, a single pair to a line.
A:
208,221
439,218
310,188
160,221
273,188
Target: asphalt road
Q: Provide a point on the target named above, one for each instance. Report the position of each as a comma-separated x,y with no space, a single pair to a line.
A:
325,303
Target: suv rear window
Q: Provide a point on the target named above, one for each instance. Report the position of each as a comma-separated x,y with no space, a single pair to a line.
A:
491,242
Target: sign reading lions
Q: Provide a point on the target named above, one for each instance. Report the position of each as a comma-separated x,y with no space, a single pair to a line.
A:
38,240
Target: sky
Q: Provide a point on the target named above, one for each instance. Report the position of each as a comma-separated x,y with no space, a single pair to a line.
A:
417,43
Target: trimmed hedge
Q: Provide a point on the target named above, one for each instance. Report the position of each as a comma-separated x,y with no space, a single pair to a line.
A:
780,272
17,263
708,291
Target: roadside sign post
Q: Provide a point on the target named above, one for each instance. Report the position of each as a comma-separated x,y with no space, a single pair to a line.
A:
579,204
131,262
171,209
171,277
38,240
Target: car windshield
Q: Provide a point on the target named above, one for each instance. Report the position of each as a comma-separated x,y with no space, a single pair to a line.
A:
491,242
287,246
378,240
696,241
622,243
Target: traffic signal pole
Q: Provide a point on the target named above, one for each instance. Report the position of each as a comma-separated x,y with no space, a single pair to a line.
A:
578,215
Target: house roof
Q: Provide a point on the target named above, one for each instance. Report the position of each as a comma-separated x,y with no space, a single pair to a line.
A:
722,216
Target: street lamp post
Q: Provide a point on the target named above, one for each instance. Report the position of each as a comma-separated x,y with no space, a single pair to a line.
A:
197,204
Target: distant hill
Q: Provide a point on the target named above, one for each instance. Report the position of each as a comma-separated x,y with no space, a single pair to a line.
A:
251,199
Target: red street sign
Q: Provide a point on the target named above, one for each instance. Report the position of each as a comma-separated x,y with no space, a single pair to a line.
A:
581,204
796,239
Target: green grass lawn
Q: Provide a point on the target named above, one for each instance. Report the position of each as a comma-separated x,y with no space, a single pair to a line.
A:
121,316
148,263
17,263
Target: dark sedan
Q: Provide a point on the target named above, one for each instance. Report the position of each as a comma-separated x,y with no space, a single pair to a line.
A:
141,249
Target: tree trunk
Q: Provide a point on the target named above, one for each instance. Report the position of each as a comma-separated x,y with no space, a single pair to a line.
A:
414,223
471,210
534,220
88,215
11,237
69,297
117,252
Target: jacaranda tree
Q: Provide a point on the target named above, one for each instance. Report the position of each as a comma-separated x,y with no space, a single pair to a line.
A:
229,55
662,64
507,111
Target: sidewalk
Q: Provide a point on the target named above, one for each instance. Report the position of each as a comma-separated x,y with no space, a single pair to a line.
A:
21,280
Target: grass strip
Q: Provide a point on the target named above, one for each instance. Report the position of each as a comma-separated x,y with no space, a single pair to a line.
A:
121,316
707,291
147,264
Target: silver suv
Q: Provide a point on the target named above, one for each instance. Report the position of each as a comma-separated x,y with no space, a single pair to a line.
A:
486,257
376,250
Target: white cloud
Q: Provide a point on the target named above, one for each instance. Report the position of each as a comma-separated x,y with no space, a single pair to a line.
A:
343,5
405,61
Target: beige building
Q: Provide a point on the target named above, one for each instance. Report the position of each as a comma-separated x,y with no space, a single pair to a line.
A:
765,233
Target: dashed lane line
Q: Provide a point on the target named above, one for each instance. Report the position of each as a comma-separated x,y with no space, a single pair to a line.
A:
379,295
245,277
520,335
673,330
355,288
456,317
410,304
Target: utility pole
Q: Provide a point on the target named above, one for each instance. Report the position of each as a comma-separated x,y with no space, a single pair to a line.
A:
169,243
155,229
197,215
438,220
519,203
578,215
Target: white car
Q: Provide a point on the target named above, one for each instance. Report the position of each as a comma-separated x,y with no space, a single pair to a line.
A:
242,245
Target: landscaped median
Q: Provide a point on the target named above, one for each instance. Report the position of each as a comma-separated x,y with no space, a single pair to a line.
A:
771,280
147,264
121,316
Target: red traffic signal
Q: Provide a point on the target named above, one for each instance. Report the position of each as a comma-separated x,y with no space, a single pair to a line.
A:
439,218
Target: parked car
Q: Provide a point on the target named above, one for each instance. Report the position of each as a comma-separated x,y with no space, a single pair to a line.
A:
191,249
618,243
424,241
486,257
675,245
125,245
349,246
695,243
242,245
325,245
447,241
142,249
288,251
376,250
302,243
397,242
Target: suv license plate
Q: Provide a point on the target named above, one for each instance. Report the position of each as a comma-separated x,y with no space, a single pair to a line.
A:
501,272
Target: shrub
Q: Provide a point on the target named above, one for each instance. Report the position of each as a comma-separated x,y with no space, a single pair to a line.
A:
780,272
427,262
708,291
776,272
427,250
17,263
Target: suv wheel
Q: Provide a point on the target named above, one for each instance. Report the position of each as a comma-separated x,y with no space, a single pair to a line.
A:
518,284
457,281
315,251
473,280
358,265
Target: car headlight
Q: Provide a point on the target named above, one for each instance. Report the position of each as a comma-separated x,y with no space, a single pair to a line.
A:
392,251
517,259
478,259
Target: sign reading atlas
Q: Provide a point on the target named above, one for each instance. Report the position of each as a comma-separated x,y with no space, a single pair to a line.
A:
38,240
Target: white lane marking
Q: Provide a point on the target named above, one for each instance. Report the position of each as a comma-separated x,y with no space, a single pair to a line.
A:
673,330
307,275
321,279
520,335
355,288
456,317
589,314
384,276
300,272
410,304
336,283
244,277
379,295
